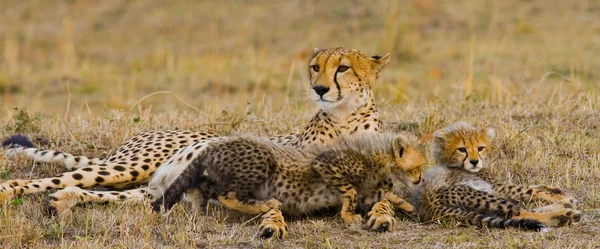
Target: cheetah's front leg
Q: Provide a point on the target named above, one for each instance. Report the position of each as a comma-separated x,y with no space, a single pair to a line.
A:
348,212
381,217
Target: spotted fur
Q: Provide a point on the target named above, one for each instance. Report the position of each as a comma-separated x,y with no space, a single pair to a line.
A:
253,176
457,188
352,112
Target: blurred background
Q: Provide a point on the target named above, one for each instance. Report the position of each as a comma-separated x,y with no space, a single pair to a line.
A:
82,76
86,58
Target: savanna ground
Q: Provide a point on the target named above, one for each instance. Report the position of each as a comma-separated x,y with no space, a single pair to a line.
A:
77,69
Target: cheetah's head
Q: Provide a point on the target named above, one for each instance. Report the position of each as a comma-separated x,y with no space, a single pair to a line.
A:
408,160
342,78
461,145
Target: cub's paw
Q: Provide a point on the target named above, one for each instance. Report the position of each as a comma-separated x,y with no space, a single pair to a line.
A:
564,217
381,217
381,222
406,207
351,218
273,204
273,225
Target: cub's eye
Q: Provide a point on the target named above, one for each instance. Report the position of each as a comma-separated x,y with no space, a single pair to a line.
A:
480,148
462,149
342,69
315,68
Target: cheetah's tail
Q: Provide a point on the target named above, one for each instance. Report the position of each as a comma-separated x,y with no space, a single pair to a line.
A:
191,177
478,219
21,144
17,141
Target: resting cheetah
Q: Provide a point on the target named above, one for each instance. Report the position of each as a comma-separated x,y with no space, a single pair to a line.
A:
341,80
457,189
257,176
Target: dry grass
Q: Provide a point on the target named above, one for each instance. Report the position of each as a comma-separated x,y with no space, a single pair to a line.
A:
527,68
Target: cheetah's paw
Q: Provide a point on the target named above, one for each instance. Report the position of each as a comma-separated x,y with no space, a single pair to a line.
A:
61,202
351,218
273,225
564,217
381,222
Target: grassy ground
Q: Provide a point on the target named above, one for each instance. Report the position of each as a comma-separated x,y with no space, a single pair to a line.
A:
78,68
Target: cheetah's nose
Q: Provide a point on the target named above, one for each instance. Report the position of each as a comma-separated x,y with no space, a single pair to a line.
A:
474,162
321,90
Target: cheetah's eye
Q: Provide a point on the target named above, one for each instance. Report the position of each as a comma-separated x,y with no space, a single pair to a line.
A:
462,149
342,69
315,68
480,148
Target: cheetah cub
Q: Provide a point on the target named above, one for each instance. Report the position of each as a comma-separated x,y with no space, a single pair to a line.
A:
456,187
257,176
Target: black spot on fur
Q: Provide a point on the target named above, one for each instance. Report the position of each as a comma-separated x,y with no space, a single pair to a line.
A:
119,168
104,173
56,181
77,176
99,179
17,141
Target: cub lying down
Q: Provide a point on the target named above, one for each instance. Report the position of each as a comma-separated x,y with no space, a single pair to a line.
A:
457,187
256,176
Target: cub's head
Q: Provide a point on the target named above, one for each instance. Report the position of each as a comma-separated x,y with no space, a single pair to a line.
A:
461,145
408,160
341,77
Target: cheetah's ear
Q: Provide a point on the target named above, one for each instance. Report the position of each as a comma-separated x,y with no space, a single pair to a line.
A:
316,51
378,62
399,145
491,133
439,137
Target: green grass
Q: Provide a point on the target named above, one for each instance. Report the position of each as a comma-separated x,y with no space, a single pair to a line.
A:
85,73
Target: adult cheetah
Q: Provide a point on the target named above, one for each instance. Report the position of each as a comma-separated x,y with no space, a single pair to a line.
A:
257,176
457,188
341,81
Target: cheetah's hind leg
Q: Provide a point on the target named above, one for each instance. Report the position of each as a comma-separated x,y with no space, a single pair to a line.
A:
273,224
248,206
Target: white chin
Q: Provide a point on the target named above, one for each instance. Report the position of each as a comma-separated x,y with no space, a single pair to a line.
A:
326,105
472,169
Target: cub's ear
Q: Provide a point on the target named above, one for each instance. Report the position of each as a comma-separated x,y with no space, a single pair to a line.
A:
439,137
316,51
491,132
378,62
399,144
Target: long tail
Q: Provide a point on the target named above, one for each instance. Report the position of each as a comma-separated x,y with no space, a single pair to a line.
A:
478,219
22,144
191,177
